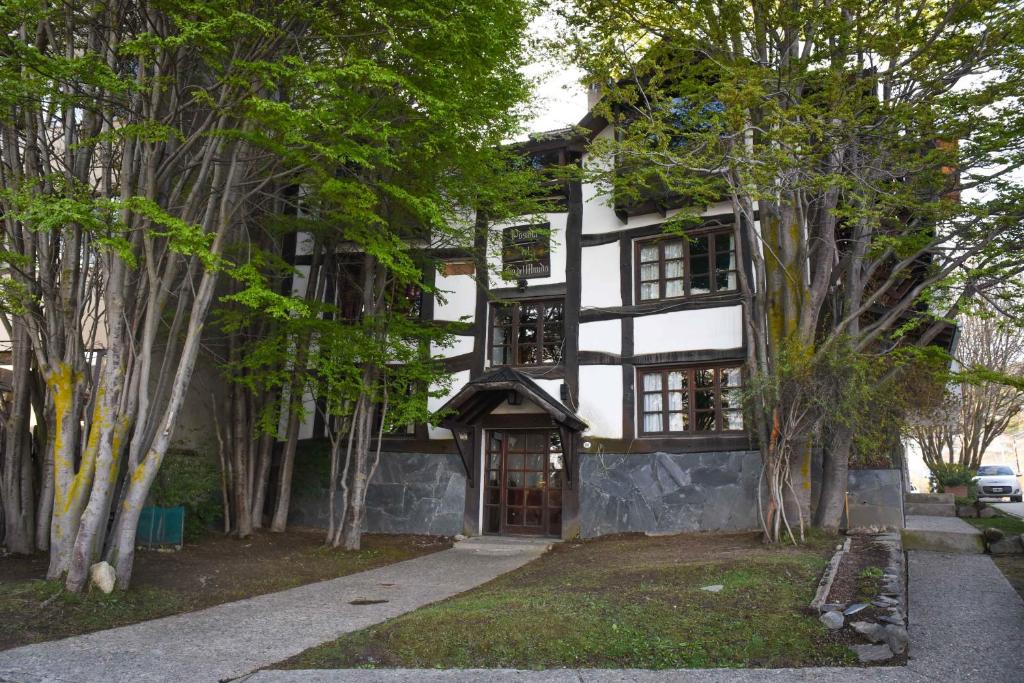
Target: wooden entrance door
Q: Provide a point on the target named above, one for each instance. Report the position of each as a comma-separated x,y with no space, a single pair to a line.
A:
524,474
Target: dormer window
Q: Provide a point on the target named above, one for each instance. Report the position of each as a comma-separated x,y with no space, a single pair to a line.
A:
674,267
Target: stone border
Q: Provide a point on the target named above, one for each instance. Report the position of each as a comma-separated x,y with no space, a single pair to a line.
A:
888,638
825,585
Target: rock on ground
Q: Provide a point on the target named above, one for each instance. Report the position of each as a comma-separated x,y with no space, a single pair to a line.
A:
102,576
896,638
873,632
1007,546
833,620
872,653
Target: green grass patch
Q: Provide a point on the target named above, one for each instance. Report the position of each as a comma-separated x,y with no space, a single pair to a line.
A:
1005,523
614,605
78,612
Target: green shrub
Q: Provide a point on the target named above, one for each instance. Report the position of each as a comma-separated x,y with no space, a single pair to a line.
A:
190,479
950,474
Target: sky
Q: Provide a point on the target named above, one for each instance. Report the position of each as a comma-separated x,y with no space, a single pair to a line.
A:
559,99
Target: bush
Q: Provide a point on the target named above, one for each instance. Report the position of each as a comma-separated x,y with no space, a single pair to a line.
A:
193,480
948,474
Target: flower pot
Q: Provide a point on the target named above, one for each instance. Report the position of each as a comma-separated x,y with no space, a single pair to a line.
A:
959,490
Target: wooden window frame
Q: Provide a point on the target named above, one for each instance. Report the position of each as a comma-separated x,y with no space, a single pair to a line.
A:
512,343
689,373
712,256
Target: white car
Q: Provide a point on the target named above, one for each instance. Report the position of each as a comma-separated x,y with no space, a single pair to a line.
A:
998,481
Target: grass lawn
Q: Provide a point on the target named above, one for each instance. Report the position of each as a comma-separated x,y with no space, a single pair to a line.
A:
209,572
625,601
1008,524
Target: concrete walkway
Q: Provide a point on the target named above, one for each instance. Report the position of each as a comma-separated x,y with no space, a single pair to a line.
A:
1015,509
234,639
966,624
941,534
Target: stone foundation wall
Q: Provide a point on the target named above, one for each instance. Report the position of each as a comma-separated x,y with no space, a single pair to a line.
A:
410,493
668,492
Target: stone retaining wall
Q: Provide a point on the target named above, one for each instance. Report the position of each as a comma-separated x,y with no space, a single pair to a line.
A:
410,493
875,498
668,492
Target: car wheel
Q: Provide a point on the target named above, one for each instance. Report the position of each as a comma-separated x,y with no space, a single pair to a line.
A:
1017,499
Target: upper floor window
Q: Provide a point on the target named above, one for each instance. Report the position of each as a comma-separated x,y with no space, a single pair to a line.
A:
527,333
674,267
681,400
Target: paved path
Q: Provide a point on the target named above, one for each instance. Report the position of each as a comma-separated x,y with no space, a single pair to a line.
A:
1015,509
234,639
966,624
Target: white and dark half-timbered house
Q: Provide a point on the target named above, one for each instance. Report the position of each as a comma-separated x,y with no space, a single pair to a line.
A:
595,392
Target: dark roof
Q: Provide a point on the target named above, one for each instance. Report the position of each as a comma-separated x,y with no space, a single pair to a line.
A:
483,394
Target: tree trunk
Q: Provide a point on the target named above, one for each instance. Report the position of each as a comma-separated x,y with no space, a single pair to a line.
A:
284,476
44,507
259,494
834,479
16,490
240,434
70,486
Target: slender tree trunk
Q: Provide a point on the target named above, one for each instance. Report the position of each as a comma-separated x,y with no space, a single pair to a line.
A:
44,507
834,479
262,479
240,434
279,522
353,529
16,490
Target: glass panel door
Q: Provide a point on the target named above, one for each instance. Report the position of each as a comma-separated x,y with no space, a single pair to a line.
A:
523,483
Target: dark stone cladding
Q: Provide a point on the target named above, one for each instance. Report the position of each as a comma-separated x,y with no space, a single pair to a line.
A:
410,493
668,492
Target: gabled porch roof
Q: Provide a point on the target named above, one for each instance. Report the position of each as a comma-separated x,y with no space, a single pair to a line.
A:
483,394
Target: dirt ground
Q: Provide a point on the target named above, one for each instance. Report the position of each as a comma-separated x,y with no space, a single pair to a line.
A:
1012,567
212,571
858,581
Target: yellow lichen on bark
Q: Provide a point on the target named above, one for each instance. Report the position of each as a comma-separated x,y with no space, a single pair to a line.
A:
61,385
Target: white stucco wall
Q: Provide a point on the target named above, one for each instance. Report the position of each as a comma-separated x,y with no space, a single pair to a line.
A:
459,380
459,297
603,335
551,386
707,328
601,400
599,277
462,344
